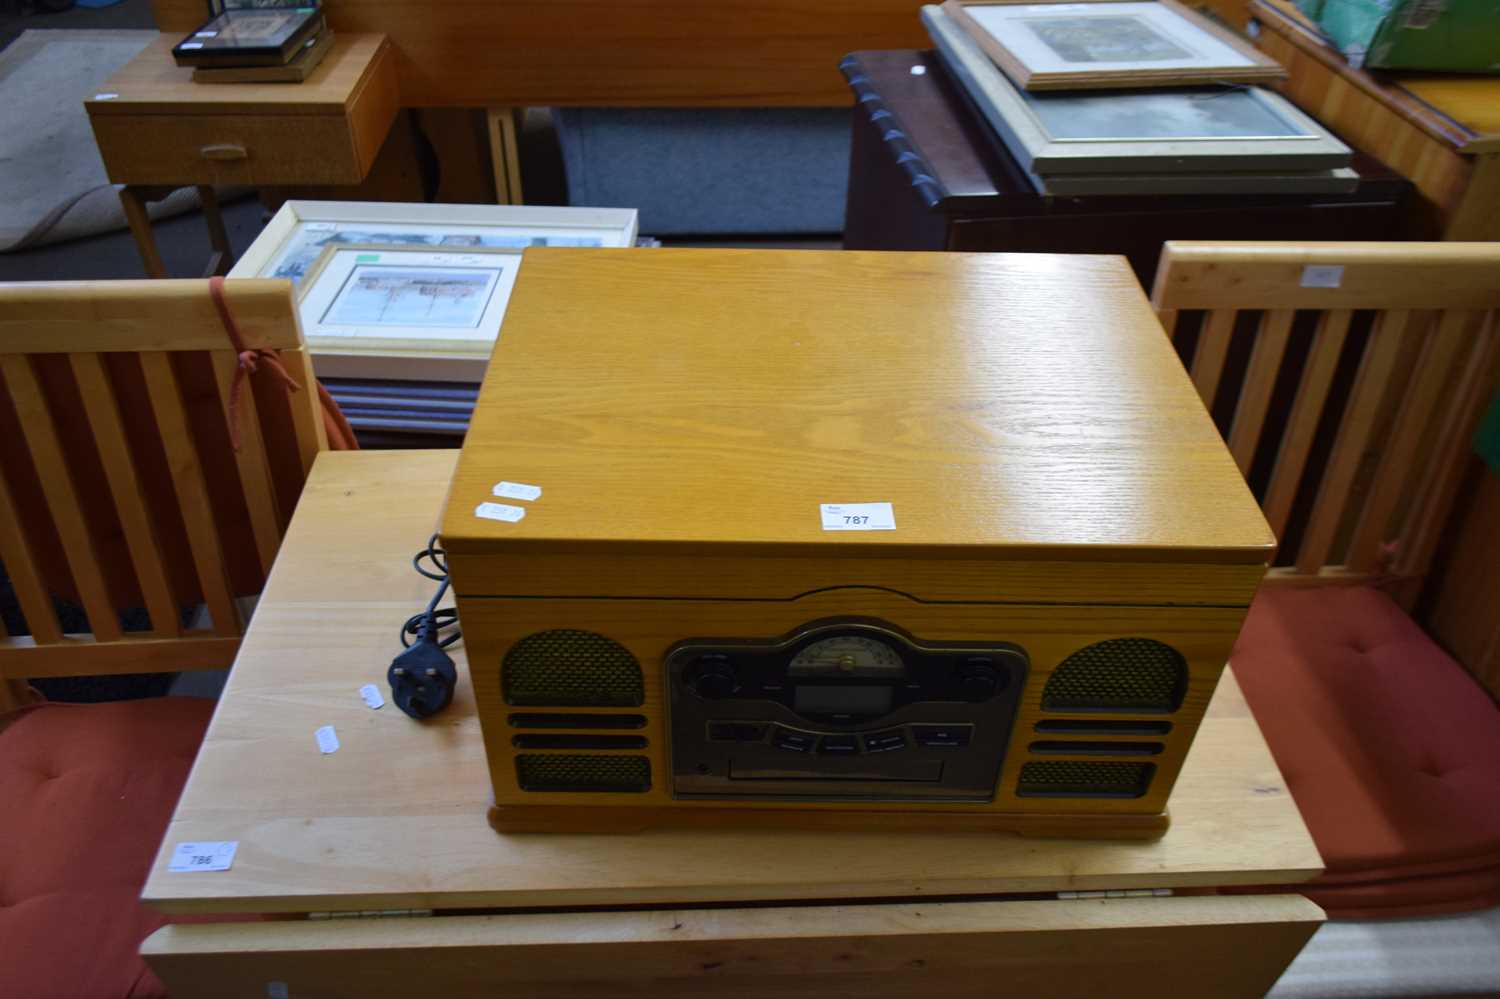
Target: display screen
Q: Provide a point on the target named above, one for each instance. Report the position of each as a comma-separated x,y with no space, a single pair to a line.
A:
828,699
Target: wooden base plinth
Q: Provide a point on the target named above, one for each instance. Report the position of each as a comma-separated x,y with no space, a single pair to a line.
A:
639,818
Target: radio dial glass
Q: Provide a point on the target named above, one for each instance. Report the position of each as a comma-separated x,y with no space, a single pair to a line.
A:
850,655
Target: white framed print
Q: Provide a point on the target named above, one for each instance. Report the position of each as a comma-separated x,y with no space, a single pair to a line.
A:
430,307
398,297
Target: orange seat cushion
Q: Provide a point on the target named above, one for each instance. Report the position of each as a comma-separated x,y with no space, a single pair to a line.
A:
1389,747
88,790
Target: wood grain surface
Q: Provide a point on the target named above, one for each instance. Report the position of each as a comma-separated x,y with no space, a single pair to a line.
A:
1230,948
396,818
160,127
1424,141
697,401
1049,634
143,316
152,83
669,53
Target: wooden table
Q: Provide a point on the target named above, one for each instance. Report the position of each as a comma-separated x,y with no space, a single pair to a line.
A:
395,821
157,130
926,172
1443,132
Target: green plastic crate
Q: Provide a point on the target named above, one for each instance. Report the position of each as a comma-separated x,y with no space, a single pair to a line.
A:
1455,36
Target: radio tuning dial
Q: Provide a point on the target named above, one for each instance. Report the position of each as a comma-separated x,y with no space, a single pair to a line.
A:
979,680
711,678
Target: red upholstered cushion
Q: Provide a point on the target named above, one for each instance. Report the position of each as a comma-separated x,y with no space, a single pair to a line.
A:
1388,745
87,791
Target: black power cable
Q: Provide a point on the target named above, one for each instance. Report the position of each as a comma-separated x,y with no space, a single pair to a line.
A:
423,677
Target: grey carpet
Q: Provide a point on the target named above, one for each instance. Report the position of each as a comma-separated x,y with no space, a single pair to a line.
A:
54,182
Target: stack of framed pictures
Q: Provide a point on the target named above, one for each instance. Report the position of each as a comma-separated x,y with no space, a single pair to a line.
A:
412,293
1039,74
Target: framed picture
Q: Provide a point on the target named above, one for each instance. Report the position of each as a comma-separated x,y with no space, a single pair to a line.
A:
1057,45
401,298
1198,131
430,306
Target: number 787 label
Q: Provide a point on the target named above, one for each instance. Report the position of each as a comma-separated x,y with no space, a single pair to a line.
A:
858,517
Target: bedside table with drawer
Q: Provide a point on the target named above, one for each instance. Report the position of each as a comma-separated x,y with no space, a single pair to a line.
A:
157,130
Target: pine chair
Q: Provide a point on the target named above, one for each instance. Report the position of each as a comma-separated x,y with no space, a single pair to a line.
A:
1348,379
121,486
124,497
1383,356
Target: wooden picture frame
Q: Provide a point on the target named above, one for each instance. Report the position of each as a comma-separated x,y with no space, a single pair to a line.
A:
1078,48
1053,136
296,242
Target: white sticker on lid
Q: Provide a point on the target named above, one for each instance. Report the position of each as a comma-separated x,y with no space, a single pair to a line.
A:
858,517
105,97
328,740
203,856
517,490
190,45
919,71
371,694
1322,275
500,511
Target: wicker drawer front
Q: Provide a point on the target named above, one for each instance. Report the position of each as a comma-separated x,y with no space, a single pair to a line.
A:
227,149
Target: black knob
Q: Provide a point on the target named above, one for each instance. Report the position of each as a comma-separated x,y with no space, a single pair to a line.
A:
978,680
711,678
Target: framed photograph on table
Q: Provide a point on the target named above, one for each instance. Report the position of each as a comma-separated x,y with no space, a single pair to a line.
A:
1192,140
1093,44
431,304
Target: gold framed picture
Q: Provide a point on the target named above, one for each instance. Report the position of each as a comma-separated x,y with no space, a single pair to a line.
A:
1097,44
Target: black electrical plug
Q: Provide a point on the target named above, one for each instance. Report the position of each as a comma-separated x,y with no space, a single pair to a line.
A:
423,677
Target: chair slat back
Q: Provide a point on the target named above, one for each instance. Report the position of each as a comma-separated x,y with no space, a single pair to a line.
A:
120,493
1347,378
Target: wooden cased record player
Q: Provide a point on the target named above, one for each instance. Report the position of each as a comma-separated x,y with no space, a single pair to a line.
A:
842,540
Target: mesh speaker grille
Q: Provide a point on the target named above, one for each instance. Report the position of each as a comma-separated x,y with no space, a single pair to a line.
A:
582,772
1121,674
1084,779
571,668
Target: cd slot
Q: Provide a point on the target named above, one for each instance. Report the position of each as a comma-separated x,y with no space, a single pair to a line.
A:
578,741
557,719
924,771
1085,726
1086,747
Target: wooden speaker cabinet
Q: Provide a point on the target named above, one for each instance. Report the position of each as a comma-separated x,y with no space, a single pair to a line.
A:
1038,556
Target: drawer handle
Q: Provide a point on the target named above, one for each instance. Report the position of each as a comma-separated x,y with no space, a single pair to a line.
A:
224,151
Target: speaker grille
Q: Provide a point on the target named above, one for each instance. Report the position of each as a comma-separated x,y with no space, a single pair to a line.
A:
1121,674
571,668
582,772
1084,779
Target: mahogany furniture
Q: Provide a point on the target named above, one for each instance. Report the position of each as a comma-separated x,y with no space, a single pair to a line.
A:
391,829
1442,132
927,173
157,130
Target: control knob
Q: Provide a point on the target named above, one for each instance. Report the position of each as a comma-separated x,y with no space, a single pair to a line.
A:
979,679
711,678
